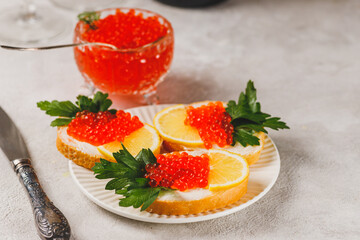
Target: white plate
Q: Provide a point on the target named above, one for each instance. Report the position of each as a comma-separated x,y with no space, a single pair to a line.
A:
263,175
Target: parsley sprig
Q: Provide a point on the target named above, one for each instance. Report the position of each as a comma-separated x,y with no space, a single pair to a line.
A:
128,178
89,18
248,119
67,110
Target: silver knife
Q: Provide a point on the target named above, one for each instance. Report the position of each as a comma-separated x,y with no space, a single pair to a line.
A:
49,221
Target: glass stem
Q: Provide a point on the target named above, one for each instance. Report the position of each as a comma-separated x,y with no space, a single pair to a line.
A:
151,98
87,89
28,13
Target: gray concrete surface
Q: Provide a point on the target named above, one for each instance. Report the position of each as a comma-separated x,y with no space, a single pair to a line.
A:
304,57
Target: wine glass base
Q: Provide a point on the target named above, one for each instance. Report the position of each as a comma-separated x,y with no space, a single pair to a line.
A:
83,5
151,98
120,101
127,101
87,89
41,27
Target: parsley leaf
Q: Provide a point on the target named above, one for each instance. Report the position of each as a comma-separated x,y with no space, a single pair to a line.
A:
245,137
60,122
274,123
89,18
248,119
139,196
250,94
85,103
117,183
56,108
106,169
124,157
128,178
100,102
67,110
146,156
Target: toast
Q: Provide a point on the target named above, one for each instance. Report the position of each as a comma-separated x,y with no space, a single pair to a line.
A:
196,201
81,153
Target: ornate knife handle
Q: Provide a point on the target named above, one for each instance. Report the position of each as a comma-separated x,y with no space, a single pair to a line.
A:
50,222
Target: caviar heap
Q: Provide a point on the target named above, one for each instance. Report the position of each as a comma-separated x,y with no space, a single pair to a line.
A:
212,122
102,127
179,171
126,30
132,72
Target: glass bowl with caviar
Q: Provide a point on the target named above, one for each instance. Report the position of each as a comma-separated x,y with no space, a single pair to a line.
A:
144,43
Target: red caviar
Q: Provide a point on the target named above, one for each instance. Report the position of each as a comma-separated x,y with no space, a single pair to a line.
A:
125,72
179,171
102,127
125,30
213,123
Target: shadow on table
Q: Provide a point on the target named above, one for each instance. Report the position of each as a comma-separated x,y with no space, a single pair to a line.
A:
186,89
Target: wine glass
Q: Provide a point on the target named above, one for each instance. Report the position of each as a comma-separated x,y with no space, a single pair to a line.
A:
82,5
29,24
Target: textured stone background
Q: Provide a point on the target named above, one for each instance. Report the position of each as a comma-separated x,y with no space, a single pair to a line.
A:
304,57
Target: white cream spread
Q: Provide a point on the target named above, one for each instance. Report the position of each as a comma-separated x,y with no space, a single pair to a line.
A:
195,194
239,149
80,146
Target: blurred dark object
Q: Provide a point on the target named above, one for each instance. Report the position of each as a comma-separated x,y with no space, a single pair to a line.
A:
190,3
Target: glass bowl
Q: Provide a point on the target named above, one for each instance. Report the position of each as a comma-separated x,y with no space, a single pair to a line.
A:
125,71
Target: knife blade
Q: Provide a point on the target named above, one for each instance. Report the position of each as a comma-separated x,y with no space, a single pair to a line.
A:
49,220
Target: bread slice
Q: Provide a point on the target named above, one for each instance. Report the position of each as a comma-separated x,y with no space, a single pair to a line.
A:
85,154
196,201
81,153
250,153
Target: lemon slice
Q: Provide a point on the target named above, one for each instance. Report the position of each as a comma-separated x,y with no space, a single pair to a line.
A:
170,124
145,137
227,170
